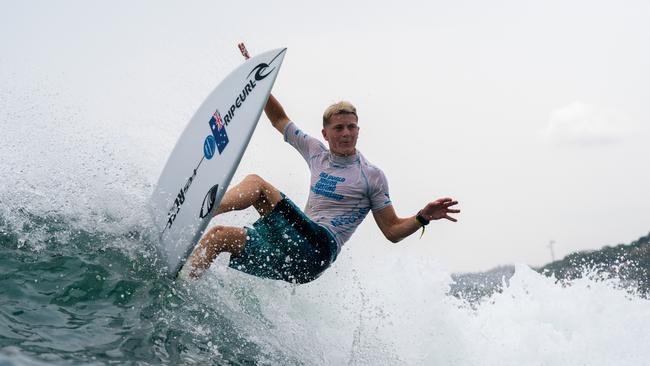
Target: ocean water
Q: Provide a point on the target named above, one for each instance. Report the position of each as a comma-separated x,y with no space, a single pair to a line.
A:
73,296
81,282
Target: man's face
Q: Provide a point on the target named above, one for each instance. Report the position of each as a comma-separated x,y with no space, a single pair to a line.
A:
341,133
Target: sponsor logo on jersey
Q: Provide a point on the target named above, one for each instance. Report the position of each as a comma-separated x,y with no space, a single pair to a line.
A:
326,186
350,218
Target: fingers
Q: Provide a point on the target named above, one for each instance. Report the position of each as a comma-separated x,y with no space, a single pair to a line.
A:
448,206
450,203
444,202
451,210
450,218
441,209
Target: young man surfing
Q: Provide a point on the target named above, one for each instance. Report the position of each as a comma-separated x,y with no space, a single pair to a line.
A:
288,244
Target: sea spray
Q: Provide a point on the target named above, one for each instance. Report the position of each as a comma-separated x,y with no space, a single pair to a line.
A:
354,318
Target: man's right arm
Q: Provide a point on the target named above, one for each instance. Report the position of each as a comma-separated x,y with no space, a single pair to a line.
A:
276,114
273,108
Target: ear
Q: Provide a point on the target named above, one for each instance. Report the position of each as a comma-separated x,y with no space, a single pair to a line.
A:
324,134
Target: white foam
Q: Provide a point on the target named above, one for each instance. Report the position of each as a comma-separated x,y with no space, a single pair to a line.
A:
392,310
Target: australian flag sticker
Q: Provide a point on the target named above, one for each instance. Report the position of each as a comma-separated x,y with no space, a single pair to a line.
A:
218,131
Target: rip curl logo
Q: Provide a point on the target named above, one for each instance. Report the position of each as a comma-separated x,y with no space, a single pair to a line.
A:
219,138
208,201
259,71
326,186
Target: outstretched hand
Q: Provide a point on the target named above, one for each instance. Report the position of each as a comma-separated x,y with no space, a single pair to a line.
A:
440,209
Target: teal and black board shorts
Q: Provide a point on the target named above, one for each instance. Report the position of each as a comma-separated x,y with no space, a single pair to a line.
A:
286,245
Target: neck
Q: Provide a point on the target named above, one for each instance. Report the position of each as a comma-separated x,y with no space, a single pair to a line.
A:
344,159
344,155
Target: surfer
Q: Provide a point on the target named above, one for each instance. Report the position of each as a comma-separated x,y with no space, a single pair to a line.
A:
288,244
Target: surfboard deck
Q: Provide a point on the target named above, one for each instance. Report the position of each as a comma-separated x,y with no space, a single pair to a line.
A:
206,155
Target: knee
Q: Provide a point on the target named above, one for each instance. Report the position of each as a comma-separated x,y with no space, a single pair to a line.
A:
215,233
254,178
225,239
210,245
258,183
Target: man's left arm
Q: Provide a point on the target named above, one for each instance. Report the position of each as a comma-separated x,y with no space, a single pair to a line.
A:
396,228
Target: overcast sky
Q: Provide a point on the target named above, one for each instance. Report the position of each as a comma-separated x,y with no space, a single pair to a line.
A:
533,114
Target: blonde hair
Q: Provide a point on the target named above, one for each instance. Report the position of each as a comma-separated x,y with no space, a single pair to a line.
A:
342,107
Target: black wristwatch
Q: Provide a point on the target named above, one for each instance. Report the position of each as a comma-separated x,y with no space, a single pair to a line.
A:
421,219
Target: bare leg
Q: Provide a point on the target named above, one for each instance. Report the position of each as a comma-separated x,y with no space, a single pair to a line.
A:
252,191
217,240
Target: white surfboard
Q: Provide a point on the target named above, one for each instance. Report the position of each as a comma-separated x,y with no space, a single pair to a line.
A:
207,154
